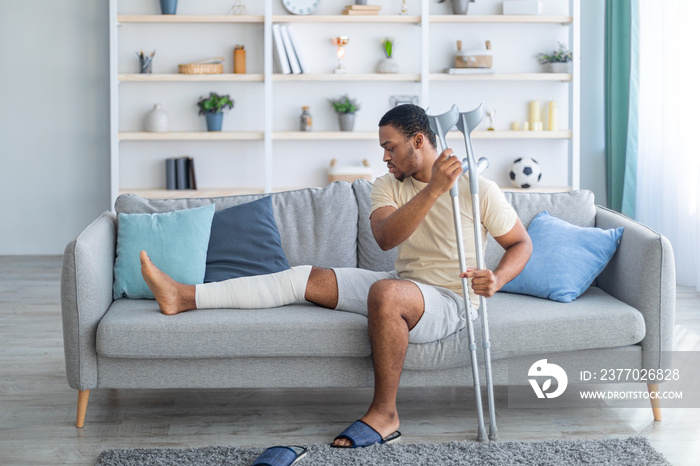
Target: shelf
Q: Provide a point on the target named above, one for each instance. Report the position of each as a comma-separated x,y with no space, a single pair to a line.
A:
347,77
325,135
193,136
410,19
563,134
373,135
266,142
564,77
389,77
189,19
155,193
243,77
555,19
537,189
346,19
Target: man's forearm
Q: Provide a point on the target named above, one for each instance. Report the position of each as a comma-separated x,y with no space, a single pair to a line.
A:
400,224
512,262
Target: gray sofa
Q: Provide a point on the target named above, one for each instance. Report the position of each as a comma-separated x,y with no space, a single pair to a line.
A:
130,344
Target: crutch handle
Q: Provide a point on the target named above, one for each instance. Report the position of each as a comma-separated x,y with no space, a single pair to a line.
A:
481,165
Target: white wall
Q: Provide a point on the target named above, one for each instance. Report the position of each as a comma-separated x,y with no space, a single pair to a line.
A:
54,120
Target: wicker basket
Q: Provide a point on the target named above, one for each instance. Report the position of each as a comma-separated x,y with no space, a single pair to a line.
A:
208,66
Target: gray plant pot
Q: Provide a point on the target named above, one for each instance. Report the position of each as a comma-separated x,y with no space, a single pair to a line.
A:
460,7
346,121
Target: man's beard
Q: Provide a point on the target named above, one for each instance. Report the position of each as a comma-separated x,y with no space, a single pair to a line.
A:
411,157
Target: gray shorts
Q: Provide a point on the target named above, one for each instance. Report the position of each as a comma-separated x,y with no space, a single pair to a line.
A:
443,308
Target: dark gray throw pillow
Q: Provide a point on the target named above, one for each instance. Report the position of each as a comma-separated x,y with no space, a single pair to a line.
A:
244,241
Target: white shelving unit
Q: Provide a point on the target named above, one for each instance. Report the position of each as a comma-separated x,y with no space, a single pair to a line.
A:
427,82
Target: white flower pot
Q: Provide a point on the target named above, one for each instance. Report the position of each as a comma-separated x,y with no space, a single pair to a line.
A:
388,65
559,67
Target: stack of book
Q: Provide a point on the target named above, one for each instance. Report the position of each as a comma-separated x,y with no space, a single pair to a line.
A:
287,54
179,173
362,10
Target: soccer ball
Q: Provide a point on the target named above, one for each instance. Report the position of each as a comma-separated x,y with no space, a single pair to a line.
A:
525,172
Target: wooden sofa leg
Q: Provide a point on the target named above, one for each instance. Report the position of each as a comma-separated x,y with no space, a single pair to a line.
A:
655,402
83,396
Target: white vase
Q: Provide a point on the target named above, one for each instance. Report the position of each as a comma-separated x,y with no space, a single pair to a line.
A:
156,121
388,65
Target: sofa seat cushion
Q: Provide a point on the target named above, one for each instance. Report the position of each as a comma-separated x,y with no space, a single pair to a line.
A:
521,325
137,329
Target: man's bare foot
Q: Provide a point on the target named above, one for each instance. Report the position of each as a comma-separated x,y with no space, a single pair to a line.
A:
172,297
384,424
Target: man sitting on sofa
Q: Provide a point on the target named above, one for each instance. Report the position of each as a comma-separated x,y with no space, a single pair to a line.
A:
421,300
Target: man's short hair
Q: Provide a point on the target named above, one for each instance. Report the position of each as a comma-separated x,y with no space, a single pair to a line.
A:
409,120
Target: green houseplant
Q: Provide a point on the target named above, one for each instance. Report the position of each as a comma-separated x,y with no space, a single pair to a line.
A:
345,107
213,108
558,61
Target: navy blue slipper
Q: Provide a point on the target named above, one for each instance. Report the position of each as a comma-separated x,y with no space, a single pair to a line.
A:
361,434
280,456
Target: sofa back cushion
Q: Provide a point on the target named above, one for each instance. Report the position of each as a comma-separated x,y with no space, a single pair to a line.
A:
369,255
318,226
575,207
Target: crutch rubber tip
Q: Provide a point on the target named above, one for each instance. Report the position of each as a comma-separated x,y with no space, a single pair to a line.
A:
493,435
481,436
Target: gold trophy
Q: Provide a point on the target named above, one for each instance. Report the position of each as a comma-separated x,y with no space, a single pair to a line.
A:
340,42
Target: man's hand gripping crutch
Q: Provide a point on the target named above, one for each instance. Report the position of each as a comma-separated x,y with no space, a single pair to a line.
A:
466,122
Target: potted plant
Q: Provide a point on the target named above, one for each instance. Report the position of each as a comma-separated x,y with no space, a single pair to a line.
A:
557,61
168,7
213,107
459,7
388,65
345,107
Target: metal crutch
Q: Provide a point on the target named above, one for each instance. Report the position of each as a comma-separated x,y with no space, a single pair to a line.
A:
466,124
441,124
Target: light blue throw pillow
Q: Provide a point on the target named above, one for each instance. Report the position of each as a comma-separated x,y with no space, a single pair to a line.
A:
565,259
175,241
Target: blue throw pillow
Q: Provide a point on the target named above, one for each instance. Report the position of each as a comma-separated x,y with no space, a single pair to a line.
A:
175,241
565,259
244,241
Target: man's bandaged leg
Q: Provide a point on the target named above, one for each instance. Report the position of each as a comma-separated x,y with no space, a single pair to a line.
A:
258,292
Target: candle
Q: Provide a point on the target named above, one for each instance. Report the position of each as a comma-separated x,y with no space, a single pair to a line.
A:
553,116
515,126
538,126
534,112
526,126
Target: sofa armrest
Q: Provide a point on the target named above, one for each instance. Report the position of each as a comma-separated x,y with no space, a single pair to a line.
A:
86,294
642,274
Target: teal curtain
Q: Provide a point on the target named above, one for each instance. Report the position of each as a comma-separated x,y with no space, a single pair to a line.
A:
621,85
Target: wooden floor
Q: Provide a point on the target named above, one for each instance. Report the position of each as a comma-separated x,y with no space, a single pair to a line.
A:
37,408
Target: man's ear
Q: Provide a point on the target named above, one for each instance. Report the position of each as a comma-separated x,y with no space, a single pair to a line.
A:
418,140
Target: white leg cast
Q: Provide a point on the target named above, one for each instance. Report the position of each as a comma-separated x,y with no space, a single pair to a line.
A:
258,292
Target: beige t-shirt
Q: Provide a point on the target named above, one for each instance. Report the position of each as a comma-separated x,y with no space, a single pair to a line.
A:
429,255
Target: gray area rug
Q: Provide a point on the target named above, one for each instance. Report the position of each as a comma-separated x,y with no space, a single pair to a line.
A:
630,451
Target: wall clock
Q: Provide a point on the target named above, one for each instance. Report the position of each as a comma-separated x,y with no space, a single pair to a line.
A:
301,7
